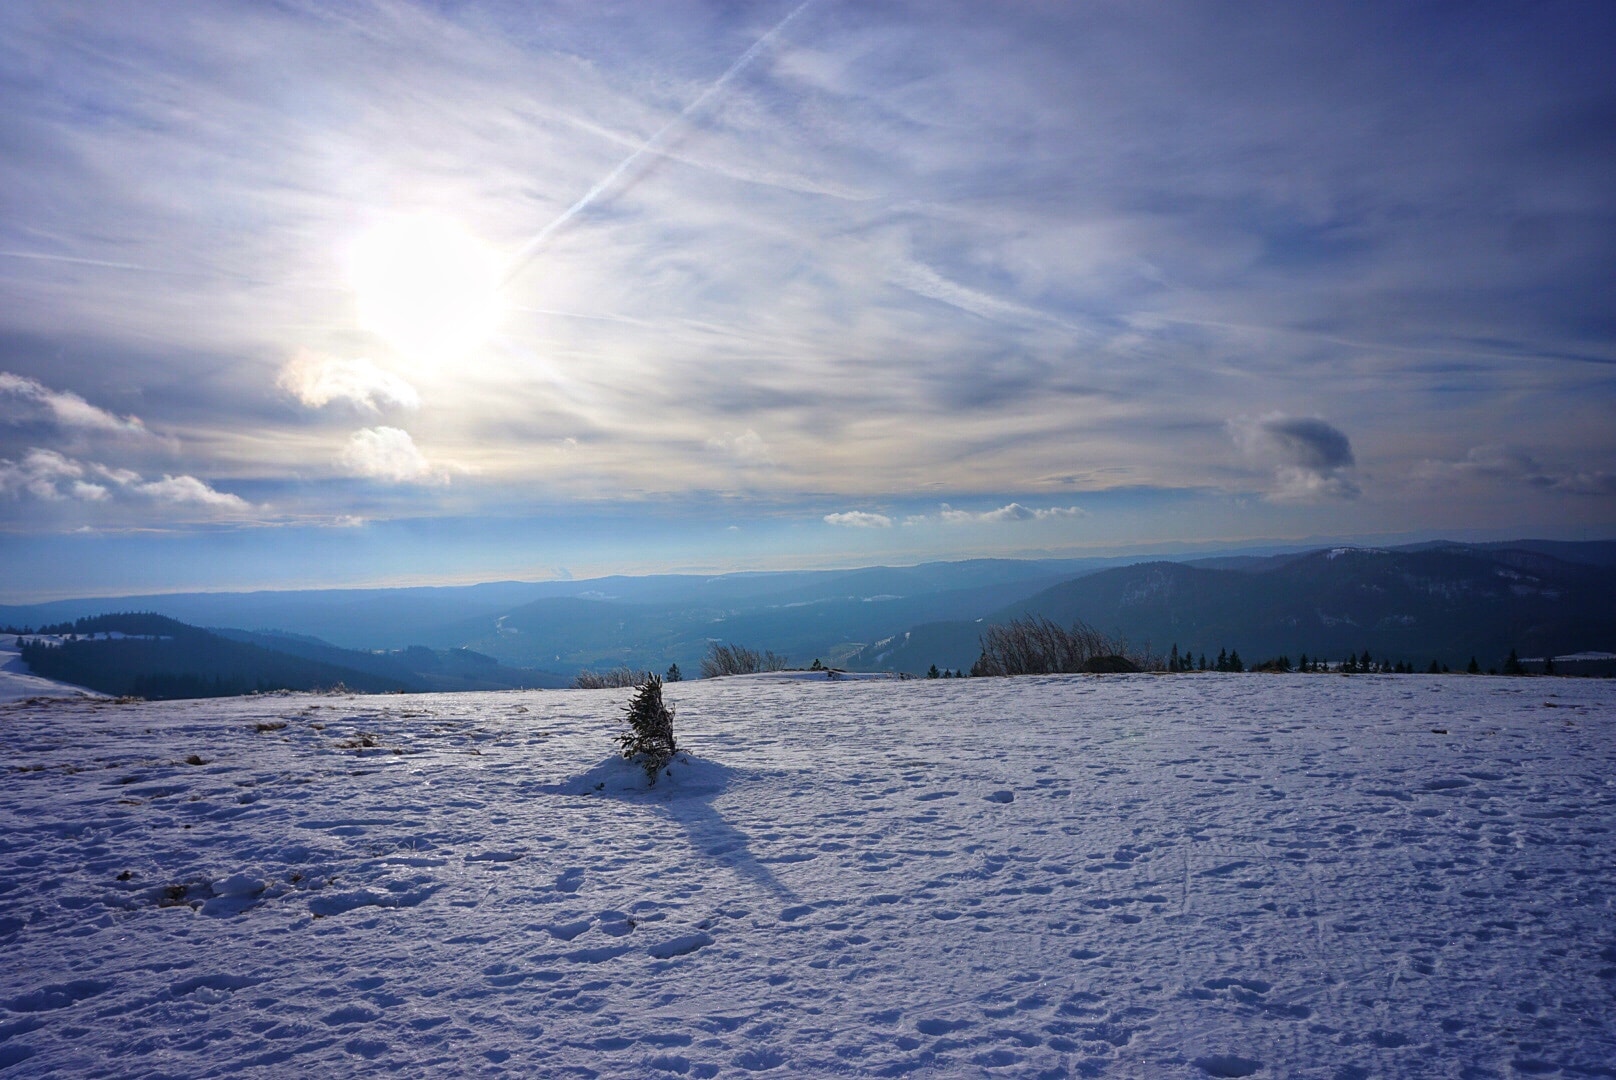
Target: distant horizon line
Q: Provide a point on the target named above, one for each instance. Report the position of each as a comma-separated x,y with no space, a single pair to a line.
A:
1186,550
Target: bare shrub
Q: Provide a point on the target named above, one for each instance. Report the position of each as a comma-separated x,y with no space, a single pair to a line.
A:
722,659
615,679
1036,645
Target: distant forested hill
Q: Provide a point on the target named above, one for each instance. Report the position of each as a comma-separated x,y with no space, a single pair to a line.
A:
1430,601
423,668
151,656
1446,602
447,616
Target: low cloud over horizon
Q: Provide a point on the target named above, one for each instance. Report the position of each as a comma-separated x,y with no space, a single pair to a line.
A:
779,282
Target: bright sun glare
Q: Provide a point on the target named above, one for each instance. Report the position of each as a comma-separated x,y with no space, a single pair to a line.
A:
426,287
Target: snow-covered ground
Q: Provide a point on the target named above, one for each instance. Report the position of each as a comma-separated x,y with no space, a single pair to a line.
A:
17,683
1128,876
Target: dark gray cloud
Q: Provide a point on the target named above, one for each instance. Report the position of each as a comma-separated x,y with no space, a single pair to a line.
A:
1312,458
1307,442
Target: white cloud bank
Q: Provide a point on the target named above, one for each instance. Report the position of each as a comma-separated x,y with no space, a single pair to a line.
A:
53,477
24,400
947,515
859,519
1011,512
747,448
317,380
388,453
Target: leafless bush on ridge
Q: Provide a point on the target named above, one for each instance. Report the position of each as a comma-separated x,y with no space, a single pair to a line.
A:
722,659
1036,645
615,679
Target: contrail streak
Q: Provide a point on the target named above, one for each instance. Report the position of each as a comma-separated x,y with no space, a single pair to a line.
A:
107,264
81,262
525,254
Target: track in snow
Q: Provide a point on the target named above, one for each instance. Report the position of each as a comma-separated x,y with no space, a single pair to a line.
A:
1167,876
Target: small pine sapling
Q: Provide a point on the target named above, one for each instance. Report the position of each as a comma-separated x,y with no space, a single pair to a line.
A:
649,739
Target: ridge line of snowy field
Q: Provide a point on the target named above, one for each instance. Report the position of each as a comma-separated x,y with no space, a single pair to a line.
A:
1225,875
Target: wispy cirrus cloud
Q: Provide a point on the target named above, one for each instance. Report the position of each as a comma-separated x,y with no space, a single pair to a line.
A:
903,250
1516,466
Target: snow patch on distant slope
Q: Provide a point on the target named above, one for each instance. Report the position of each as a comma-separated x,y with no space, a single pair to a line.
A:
1336,553
18,683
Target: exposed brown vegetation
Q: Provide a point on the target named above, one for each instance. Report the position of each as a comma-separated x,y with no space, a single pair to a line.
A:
724,659
615,679
1036,645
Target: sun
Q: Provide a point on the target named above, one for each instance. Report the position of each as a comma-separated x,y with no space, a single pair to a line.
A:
426,287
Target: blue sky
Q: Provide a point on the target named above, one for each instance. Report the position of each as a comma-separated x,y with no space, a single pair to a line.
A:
326,293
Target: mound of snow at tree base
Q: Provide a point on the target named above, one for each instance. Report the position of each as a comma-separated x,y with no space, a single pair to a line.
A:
618,777
17,683
1300,876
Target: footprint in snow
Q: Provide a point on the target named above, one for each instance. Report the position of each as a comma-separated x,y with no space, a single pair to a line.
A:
369,1049
210,988
58,995
498,857
570,880
1245,991
761,1059
1227,1065
568,931
682,945
990,1059
616,924
597,955
350,1014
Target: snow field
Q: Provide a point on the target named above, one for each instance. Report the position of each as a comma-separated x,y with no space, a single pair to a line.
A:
1207,875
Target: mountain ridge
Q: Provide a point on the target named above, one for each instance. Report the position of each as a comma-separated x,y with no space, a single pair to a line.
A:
140,654
1438,600
1445,604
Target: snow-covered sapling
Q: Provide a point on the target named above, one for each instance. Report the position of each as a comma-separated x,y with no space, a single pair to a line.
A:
649,739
